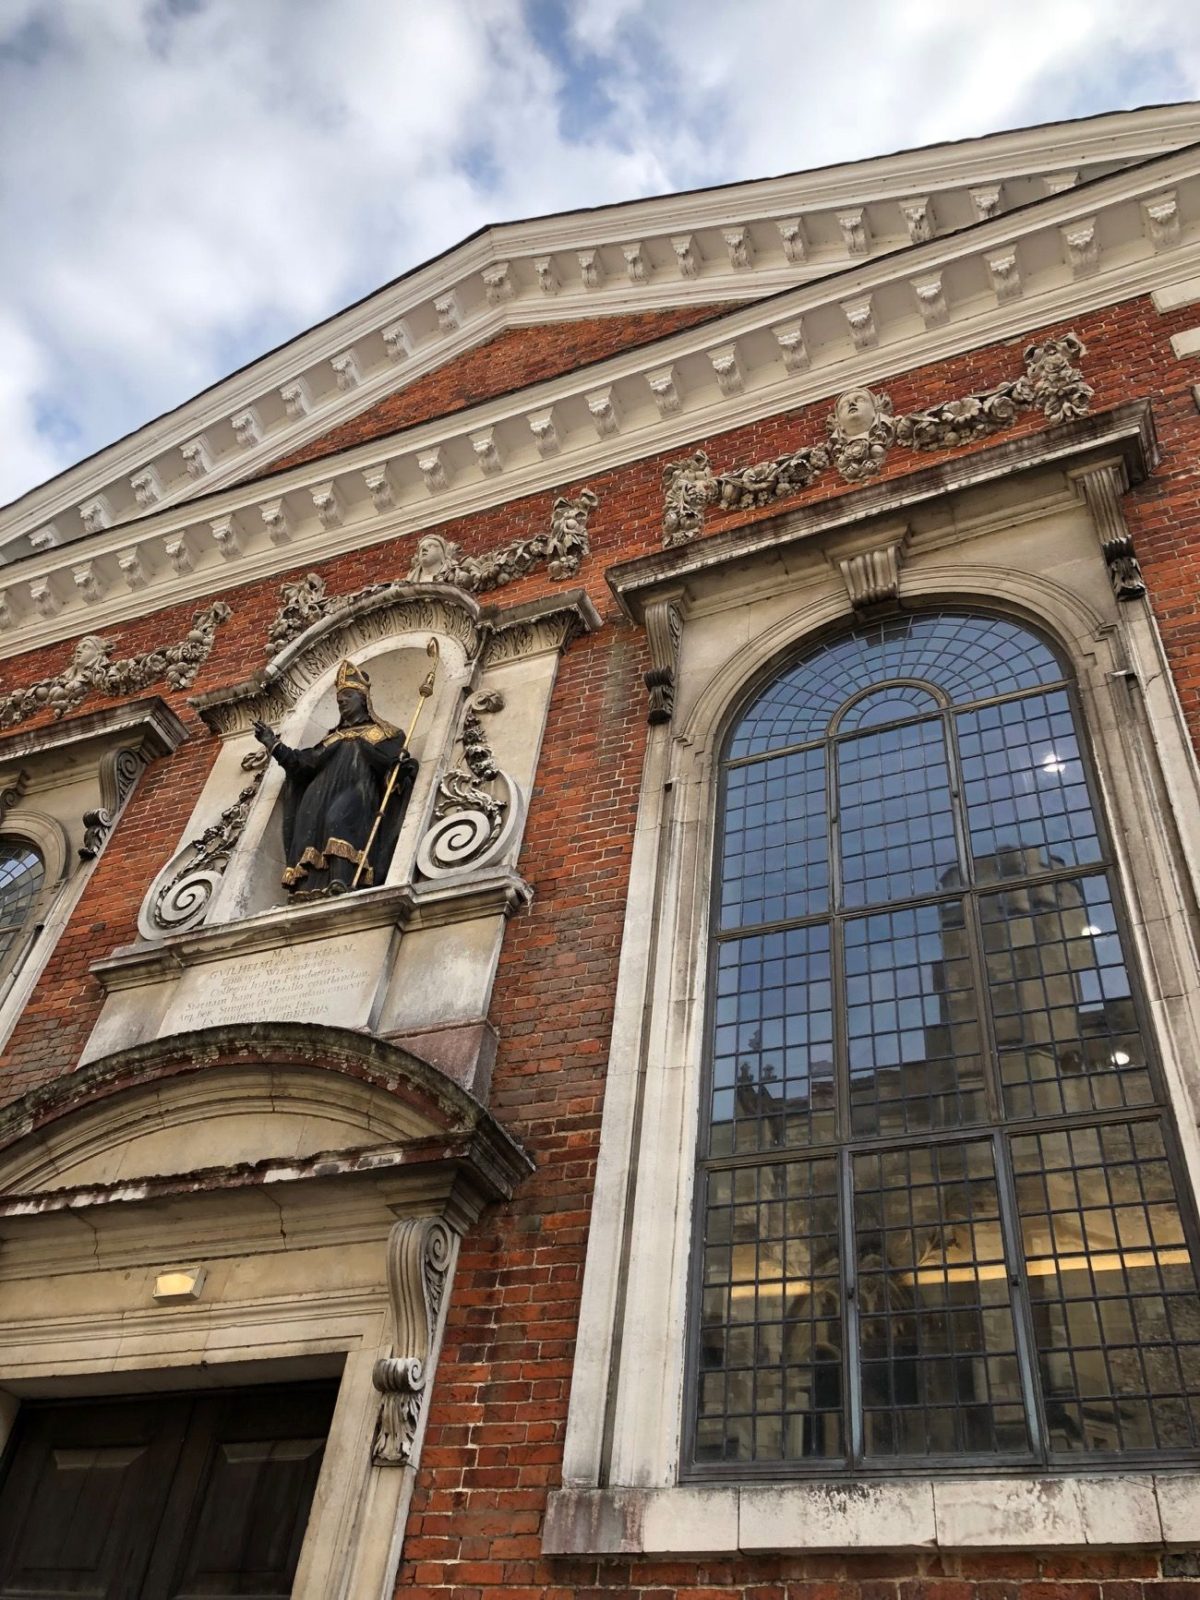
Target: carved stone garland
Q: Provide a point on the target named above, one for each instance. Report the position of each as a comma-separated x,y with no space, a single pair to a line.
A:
92,669
440,560
473,825
862,430
418,1260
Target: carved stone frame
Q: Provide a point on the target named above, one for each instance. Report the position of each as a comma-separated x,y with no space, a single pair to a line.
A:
749,599
332,1277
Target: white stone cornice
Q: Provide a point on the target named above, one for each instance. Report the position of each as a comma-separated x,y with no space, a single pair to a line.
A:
958,180
666,395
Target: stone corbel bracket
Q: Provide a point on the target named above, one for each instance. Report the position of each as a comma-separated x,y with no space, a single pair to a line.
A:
664,632
1101,488
119,773
872,577
420,1255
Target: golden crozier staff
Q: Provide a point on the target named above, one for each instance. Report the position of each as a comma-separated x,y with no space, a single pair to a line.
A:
423,693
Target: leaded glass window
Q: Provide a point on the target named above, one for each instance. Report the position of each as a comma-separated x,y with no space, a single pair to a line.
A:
939,1222
22,874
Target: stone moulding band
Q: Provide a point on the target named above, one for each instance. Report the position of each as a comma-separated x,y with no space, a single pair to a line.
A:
861,431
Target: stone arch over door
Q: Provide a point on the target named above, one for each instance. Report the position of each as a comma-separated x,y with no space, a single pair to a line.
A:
307,1186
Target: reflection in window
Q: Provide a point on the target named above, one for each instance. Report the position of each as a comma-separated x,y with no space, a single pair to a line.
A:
22,874
938,1216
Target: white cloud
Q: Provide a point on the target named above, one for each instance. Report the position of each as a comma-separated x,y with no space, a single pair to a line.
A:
190,181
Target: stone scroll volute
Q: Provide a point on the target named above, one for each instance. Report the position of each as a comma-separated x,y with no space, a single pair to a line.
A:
420,1252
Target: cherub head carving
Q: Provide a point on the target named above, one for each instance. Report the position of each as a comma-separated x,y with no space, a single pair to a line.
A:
855,413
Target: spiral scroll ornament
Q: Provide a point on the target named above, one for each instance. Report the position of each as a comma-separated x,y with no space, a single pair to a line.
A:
180,896
478,810
472,826
420,1250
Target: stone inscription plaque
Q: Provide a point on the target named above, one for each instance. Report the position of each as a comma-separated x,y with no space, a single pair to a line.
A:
330,980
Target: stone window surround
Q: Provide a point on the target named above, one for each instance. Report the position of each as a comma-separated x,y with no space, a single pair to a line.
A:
621,1490
148,728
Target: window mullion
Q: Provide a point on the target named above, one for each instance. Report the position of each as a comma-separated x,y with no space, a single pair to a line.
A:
1018,1295
851,1365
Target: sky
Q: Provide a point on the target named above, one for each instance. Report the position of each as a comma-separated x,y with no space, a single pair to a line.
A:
185,184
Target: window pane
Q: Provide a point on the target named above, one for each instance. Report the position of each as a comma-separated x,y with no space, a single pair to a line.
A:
937,1345
897,826
1028,808
21,877
890,704
1062,1007
911,1025
773,1042
776,862
770,1379
970,658
1116,1314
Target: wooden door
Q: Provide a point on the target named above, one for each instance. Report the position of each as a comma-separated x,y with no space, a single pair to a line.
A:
170,1498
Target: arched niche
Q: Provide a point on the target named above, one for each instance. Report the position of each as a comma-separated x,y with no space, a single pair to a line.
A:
387,632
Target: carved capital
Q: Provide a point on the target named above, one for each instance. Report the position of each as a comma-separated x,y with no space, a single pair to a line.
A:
664,630
498,285
687,255
1101,488
420,1252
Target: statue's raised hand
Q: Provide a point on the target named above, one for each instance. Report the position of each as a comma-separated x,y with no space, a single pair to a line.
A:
265,735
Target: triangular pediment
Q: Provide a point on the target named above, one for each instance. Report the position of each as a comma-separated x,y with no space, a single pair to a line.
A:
733,243
1003,239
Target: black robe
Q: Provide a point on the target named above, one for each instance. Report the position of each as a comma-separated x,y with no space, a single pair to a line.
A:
330,800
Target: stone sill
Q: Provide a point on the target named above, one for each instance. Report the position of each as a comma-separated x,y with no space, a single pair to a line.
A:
497,891
1148,1509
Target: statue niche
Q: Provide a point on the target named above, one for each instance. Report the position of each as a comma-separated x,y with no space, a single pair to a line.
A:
344,797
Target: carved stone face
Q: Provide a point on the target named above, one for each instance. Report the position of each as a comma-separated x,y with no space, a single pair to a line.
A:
90,652
855,412
432,558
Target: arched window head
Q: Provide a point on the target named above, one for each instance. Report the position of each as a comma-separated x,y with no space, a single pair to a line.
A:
22,875
938,1218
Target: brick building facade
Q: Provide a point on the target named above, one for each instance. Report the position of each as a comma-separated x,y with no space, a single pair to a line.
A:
637,486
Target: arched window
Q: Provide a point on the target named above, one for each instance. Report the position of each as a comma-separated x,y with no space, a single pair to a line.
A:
938,1221
22,875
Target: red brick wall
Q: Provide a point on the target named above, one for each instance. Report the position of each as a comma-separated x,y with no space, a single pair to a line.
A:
498,1409
512,360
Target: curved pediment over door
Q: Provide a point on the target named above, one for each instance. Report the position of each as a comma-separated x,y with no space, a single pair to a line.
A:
240,1106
